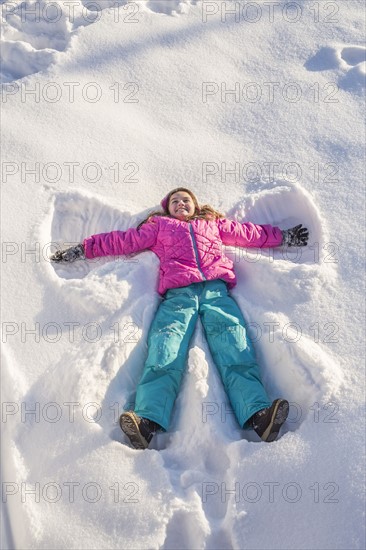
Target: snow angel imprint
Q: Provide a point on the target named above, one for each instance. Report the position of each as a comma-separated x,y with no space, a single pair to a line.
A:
195,280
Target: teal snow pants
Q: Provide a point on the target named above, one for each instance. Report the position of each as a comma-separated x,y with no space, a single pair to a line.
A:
168,344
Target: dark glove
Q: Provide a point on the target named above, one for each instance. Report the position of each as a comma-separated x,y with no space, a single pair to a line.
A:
69,255
296,236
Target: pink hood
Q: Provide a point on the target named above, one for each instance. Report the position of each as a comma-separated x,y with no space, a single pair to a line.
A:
189,252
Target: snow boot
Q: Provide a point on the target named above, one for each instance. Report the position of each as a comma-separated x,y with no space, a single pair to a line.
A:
139,430
267,422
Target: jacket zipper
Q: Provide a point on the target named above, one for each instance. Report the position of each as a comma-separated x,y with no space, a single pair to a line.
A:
196,251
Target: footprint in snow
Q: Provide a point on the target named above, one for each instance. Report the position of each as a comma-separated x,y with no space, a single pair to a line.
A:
349,61
169,7
35,33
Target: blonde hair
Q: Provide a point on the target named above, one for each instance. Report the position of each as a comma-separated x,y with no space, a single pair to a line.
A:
204,212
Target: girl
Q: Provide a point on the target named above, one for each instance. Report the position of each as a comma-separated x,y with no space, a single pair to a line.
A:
195,279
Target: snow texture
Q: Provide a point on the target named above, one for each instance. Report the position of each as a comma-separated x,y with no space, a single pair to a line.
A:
106,106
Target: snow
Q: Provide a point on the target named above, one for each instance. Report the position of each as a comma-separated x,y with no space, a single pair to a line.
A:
106,106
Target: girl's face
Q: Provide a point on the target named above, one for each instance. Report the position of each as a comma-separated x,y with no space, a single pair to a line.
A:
181,205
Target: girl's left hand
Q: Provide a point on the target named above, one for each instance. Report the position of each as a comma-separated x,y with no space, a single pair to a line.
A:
296,236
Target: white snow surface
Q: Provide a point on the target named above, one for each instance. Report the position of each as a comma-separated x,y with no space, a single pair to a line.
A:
105,107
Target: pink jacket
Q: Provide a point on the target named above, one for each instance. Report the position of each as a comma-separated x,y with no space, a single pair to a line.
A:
189,252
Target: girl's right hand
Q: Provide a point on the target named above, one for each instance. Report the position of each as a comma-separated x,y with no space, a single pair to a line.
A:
69,255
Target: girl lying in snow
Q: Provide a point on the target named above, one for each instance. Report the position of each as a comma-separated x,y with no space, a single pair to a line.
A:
195,278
